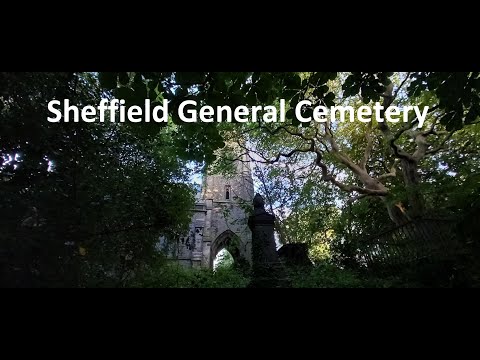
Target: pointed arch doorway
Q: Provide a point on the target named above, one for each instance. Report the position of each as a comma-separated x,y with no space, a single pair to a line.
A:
227,240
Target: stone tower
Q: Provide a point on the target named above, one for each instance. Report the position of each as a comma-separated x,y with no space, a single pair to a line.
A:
219,220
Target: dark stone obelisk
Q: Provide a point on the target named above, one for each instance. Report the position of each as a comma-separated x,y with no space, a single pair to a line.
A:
267,271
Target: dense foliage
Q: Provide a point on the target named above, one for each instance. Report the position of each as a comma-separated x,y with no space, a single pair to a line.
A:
83,204
176,276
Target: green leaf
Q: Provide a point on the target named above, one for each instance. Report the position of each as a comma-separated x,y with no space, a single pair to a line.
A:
330,99
125,93
262,95
315,78
251,97
295,100
138,79
123,78
237,99
189,78
331,75
288,94
152,95
290,114
108,80
471,116
140,90
293,81
235,88
320,91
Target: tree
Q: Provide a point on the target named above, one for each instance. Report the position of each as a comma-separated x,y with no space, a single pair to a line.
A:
374,160
82,204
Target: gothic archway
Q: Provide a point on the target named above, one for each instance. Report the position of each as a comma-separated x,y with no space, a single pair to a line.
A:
226,240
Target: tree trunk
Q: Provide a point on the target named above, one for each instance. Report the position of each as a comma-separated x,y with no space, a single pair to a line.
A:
414,196
396,211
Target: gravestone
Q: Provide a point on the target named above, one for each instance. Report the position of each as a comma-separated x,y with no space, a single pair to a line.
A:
267,270
295,255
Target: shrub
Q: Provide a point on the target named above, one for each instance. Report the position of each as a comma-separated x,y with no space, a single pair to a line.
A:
177,276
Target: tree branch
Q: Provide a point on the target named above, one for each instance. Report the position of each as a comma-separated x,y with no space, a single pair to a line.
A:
392,173
442,144
401,85
355,198
368,148
347,188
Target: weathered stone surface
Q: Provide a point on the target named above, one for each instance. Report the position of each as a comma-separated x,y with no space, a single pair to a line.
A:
218,220
268,271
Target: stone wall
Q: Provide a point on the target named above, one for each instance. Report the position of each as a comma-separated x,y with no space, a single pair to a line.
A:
217,219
